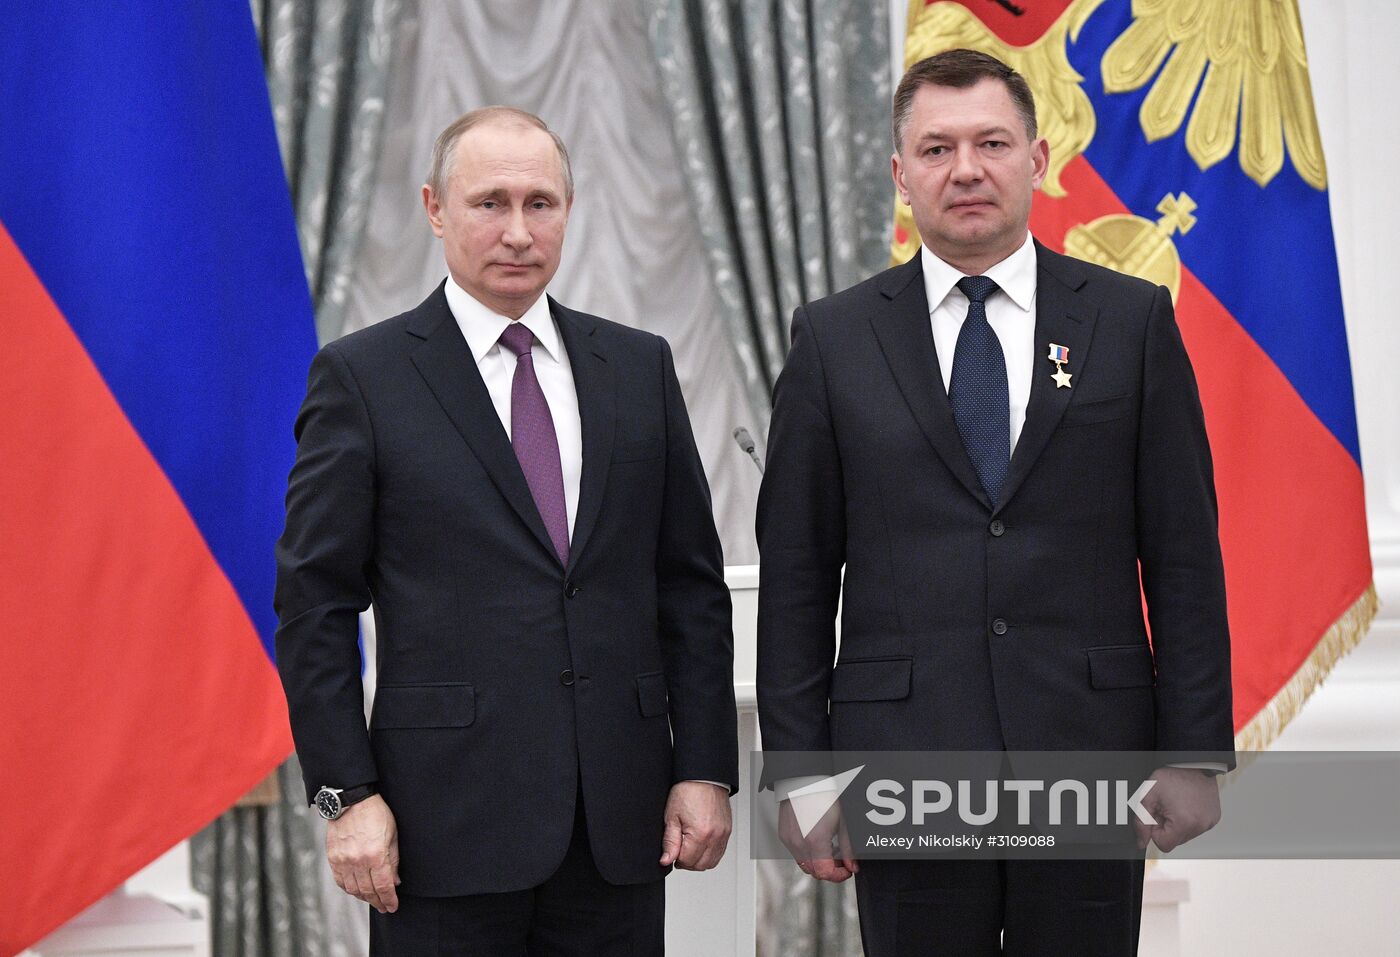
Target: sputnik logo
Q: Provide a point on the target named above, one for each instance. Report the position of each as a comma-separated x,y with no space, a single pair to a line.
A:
811,801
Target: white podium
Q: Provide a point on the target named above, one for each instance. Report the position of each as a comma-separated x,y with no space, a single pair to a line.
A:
713,913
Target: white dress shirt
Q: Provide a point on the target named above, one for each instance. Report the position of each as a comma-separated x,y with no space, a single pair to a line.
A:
1010,311
1011,314
482,329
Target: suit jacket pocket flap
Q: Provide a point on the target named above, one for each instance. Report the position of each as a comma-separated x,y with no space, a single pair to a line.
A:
871,679
1097,410
651,694
1120,666
424,706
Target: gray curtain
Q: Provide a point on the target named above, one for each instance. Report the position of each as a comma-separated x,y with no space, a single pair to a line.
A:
780,113
633,252
327,62
799,917
262,870
328,65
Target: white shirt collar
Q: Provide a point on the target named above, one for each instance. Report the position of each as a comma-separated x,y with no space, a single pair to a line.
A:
482,327
1015,275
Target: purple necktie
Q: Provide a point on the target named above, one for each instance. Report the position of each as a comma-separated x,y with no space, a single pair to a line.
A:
532,435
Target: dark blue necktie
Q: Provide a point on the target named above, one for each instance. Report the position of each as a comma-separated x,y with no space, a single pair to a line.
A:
978,389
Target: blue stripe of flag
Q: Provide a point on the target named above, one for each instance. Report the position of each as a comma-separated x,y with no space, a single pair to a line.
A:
140,176
1266,253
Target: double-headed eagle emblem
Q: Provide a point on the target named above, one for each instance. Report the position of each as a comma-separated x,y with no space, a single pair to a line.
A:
1234,71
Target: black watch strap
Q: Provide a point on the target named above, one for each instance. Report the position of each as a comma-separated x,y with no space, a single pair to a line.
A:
355,795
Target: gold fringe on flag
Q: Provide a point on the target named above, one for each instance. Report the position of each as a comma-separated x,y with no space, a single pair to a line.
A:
1344,635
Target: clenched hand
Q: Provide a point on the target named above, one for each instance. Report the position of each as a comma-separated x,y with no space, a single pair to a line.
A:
698,823
362,846
1185,803
825,851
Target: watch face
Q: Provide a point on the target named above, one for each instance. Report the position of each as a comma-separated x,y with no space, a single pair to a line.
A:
328,803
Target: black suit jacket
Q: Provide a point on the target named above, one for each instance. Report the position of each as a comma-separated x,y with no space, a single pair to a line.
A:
969,627
503,677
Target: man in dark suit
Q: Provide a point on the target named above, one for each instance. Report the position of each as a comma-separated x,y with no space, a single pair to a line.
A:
993,440
516,488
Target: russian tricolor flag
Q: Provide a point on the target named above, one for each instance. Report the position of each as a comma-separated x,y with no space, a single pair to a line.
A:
155,330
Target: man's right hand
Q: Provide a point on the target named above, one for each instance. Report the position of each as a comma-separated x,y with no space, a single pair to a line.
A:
362,846
816,853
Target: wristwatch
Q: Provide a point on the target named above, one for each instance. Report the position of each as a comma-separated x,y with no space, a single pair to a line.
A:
332,802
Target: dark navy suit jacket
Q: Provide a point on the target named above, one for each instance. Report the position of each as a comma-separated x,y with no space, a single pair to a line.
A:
504,678
970,627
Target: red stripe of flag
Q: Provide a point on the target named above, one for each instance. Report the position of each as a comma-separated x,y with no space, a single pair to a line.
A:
1291,496
170,709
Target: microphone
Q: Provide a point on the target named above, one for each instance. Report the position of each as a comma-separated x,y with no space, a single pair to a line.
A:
741,435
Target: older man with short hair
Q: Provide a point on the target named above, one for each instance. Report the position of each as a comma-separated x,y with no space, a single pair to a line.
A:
515,487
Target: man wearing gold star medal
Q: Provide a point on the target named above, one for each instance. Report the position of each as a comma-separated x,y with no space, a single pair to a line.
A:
991,439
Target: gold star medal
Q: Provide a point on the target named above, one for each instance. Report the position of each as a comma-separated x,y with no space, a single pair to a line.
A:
1060,355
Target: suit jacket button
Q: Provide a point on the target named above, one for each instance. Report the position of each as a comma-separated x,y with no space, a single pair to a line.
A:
566,678
999,626
998,528
570,590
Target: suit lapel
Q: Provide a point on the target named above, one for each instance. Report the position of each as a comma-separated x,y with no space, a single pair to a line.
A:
1065,318
445,363
905,334
593,381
